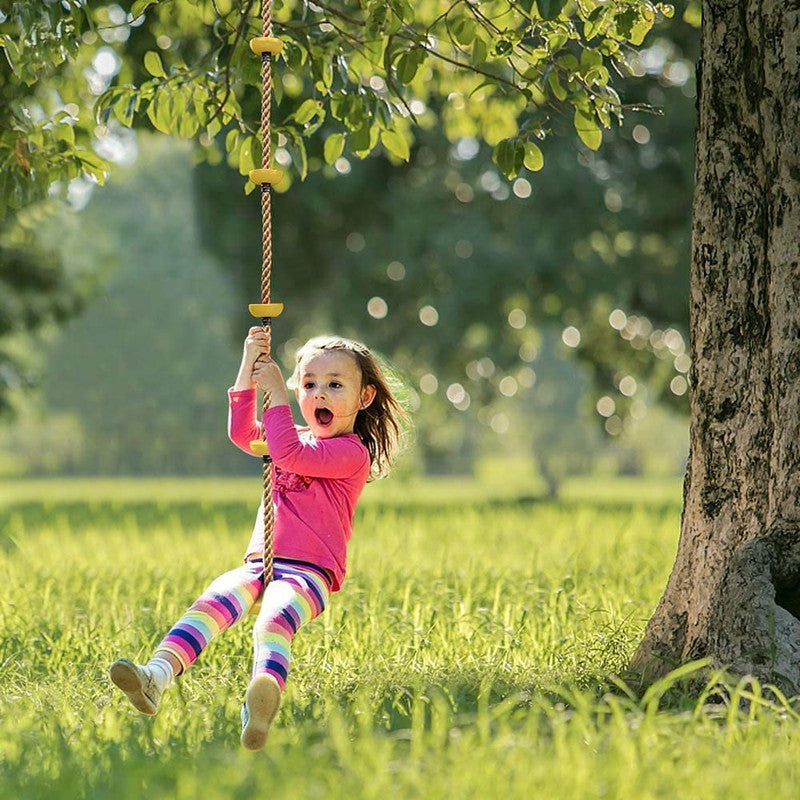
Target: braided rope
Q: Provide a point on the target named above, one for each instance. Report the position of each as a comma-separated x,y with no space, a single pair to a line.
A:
266,271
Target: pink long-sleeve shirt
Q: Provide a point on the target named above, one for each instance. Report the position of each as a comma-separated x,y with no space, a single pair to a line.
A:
317,483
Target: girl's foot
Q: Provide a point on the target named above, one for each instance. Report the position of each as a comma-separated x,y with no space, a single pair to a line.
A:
138,683
260,707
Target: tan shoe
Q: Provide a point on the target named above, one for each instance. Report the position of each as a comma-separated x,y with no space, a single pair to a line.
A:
138,684
260,707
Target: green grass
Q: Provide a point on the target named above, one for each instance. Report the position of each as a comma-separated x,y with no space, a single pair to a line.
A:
468,654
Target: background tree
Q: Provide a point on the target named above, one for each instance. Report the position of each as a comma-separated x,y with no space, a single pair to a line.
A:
37,290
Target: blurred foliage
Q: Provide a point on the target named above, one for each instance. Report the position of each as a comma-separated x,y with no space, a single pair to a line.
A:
137,384
502,71
444,263
370,248
36,291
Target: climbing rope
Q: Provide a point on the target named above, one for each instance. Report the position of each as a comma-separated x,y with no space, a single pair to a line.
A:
266,46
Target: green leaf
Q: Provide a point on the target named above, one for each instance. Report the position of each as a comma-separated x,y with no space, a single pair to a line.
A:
152,63
363,141
359,141
597,75
188,123
559,92
463,30
603,113
550,9
396,144
325,79
693,15
354,113
247,155
642,26
213,128
556,40
93,165
231,140
407,66
596,22
374,48
568,62
587,129
404,10
125,109
306,111
591,58
505,157
480,52
334,145
299,157
65,133
139,6
534,159
519,155
158,113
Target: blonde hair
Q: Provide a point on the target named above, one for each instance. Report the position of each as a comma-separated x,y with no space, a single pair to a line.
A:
381,425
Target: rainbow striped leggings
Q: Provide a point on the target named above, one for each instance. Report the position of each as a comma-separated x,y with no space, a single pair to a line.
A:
298,593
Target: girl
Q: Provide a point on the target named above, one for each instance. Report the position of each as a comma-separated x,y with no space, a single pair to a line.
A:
353,428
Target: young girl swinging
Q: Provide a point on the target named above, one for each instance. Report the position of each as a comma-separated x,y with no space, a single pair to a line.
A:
353,428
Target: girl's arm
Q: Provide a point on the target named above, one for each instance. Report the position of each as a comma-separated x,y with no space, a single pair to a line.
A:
243,426
255,346
338,457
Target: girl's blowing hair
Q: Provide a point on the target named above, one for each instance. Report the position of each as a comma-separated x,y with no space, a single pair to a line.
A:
380,425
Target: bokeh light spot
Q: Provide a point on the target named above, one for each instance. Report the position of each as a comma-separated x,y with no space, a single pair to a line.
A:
429,316
571,336
377,307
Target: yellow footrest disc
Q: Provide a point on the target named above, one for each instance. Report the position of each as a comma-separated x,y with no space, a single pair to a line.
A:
270,176
266,44
265,309
259,447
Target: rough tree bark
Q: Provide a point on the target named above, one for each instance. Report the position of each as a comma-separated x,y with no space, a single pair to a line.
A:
734,591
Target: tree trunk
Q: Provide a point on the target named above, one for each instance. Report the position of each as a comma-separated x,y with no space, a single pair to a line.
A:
734,591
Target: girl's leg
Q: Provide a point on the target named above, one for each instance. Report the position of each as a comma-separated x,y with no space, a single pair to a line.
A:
226,600
294,597
222,604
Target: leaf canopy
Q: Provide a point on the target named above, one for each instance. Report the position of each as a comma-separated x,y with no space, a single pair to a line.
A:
357,73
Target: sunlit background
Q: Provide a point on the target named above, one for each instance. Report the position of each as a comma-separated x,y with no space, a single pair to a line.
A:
537,324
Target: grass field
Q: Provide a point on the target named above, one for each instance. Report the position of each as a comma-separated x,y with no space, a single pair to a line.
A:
469,654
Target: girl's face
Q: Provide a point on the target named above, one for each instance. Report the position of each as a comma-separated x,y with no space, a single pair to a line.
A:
329,392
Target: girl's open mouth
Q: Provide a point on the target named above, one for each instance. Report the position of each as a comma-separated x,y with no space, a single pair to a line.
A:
324,416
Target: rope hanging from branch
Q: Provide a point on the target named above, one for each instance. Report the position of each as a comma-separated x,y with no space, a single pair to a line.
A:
266,46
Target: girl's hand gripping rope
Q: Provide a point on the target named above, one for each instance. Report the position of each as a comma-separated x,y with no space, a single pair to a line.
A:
255,345
268,378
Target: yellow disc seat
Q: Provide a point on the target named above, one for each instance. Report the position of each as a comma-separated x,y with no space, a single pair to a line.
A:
265,175
265,309
258,447
266,44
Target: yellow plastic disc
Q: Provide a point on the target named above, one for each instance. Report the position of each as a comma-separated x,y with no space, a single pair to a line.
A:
259,447
265,309
266,44
271,176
